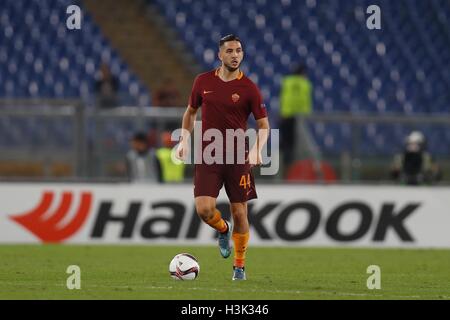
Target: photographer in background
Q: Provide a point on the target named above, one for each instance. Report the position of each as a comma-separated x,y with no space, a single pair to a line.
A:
415,165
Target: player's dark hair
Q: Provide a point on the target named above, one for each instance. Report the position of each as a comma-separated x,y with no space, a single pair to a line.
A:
140,137
299,69
230,37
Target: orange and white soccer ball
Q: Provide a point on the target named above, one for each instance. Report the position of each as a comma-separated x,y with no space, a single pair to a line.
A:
184,266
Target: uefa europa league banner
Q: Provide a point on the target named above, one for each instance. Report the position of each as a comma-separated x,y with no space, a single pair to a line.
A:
294,215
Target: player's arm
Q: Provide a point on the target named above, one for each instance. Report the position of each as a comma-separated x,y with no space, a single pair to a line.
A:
187,125
255,155
259,111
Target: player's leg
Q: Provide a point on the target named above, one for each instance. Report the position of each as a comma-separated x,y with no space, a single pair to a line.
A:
207,211
207,184
240,238
240,187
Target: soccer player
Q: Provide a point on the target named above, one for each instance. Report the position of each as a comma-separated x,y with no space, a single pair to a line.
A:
227,98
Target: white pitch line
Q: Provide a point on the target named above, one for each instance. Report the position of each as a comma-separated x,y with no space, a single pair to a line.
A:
332,293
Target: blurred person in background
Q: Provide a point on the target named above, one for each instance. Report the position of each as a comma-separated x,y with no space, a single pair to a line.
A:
167,95
142,163
169,170
415,166
295,100
106,88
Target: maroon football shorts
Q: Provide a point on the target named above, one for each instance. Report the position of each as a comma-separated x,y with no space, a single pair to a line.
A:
237,178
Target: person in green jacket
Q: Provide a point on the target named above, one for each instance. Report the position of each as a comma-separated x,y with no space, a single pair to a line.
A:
168,169
295,99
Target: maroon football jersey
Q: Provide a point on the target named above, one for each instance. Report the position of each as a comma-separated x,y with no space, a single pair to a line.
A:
226,105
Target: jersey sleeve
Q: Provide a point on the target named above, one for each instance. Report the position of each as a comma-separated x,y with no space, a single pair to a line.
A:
257,105
195,100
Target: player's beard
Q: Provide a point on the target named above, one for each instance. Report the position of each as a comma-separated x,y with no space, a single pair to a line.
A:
230,68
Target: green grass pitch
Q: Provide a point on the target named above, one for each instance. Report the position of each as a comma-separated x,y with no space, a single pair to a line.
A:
141,272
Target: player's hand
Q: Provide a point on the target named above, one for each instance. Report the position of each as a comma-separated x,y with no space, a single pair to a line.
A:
182,151
254,158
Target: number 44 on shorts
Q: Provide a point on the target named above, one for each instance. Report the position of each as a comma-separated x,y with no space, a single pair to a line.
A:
245,181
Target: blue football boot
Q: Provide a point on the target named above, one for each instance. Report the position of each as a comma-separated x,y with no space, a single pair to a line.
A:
239,273
224,241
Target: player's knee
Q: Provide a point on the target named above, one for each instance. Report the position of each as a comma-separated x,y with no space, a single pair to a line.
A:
239,216
205,211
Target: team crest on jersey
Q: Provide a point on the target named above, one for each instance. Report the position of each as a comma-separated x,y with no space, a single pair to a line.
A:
235,97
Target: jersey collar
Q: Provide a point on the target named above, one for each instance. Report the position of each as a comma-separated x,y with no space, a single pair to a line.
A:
239,77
